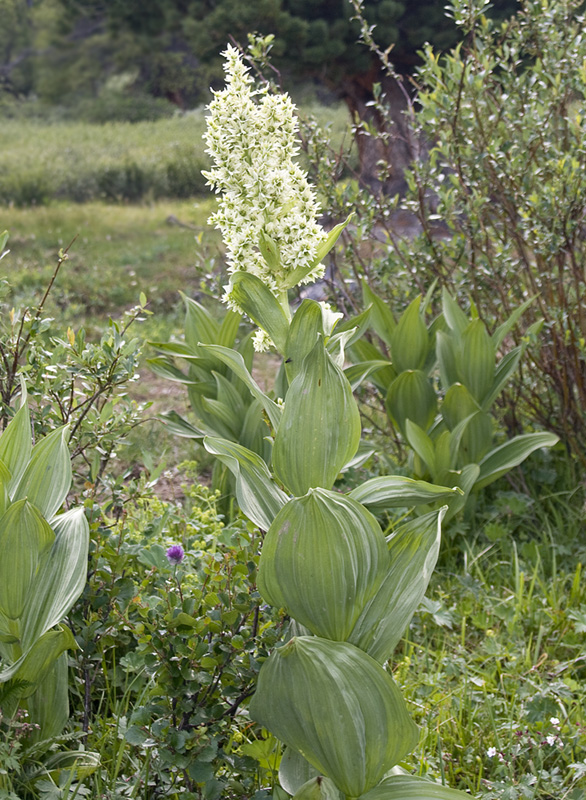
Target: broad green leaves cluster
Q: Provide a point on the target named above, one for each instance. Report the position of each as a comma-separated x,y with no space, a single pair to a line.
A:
43,564
447,423
325,560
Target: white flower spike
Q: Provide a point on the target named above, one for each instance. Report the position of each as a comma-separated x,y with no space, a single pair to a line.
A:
267,209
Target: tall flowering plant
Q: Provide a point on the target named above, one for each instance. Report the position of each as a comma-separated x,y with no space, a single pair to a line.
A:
349,590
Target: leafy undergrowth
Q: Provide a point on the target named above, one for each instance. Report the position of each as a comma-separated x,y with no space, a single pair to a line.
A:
494,668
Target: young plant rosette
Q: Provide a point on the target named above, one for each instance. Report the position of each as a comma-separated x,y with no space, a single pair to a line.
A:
349,591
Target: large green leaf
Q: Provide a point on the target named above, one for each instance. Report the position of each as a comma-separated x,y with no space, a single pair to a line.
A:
320,427
24,537
33,665
413,552
337,707
407,787
422,445
411,396
502,374
48,706
257,494
322,559
381,318
410,339
5,479
502,459
61,576
477,360
454,316
15,443
304,331
396,491
259,303
47,478
294,771
236,363
318,788
200,326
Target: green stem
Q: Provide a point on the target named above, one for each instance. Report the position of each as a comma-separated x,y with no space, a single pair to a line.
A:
283,299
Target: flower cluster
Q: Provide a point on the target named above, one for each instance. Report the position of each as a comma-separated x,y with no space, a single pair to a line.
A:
264,195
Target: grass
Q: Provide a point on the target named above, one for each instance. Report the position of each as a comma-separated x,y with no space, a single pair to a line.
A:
115,253
117,161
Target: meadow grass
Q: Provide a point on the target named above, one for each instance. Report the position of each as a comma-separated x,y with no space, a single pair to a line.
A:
119,161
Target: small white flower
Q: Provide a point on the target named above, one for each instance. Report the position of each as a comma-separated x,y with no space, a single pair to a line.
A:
491,752
551,740
555,722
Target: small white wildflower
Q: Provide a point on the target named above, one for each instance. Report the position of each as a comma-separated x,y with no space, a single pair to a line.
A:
261,341
252,139
555,722
491,752
551,740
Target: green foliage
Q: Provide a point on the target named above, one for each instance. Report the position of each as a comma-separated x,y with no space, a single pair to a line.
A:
43,567
114,161
169,652
448,428
498,228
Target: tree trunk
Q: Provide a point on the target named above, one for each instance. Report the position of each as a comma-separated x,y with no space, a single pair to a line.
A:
386,143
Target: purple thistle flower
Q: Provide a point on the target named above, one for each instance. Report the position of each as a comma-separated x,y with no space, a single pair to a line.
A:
175,554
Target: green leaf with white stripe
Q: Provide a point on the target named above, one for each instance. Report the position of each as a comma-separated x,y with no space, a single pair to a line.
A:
33,665
15,443
397,491
257,494
412,554
24,537
47,478
61,577
502,459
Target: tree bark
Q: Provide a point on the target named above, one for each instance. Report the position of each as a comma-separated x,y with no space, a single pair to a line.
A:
386,143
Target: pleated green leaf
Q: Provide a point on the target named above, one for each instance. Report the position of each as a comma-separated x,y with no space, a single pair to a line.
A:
302,337
465,478
413,552
446,359
338,708
237,364
410,339
396,491
259,303
200,326
502,374
47,478
381,318
48,706
320,427
454,316
477,363
24,537
511,454
422,444
407,787
15,443
61,576
318,788
457,405
257,494
294,771
322,559
5,479
33,665
411,396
